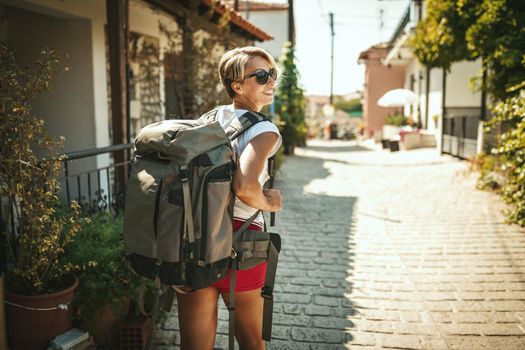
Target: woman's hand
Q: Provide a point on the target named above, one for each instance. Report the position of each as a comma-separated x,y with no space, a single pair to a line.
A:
274,199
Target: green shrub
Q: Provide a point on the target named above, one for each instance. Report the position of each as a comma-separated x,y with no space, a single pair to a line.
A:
489,178
396,120
510,154
98,251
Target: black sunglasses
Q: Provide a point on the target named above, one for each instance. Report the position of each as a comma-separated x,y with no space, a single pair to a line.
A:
262,76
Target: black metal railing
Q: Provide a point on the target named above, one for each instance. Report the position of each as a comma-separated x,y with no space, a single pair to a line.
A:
94,189
460,134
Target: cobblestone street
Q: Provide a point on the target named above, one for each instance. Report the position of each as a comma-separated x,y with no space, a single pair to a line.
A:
390,250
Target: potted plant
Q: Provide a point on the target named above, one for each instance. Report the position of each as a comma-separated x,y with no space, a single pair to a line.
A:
35,235
106,283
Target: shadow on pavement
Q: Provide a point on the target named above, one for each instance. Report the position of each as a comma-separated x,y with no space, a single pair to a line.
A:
310,307
316,260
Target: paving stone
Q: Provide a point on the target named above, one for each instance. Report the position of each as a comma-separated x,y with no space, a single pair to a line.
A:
462,343
323,336
293,298
400,341
415,328
292,309
373,326
326,301
433,343
306,281
506,343
315,310
292,320
354,338
280,332
407,316
344,312
332,322
286,345
381,315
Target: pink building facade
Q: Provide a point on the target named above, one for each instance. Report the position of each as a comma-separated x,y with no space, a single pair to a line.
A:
378,80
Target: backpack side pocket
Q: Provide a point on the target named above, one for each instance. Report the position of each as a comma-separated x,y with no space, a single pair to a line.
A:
170,219
219,218
217,215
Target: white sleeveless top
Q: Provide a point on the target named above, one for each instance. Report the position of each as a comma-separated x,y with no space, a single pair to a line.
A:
225,115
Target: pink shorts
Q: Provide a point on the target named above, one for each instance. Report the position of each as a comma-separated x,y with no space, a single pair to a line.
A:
246,279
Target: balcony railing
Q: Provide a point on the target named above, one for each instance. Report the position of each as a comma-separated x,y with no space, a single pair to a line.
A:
94,189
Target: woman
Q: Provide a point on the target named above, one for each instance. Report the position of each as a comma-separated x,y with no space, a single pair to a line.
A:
248,75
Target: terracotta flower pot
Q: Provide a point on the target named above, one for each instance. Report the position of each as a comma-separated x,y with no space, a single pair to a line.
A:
105,321
32,321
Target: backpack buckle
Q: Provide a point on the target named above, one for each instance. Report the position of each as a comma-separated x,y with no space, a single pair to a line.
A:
183,171
233,254
267,292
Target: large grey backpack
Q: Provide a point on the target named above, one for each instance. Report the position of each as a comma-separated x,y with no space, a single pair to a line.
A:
179,207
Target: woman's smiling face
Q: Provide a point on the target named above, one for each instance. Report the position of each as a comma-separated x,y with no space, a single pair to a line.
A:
250,92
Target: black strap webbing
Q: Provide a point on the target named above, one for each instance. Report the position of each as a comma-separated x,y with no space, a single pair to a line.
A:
231,306
243,123
267,292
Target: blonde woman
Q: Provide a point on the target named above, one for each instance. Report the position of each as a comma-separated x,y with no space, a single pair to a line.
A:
248,75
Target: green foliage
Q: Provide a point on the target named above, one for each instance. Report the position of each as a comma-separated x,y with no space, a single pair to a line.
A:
29,184
456,30
439,38
290,103
396,120
498,35
98,252
348,105
510,154
486,165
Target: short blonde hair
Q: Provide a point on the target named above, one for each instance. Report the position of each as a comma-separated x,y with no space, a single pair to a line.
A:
233,62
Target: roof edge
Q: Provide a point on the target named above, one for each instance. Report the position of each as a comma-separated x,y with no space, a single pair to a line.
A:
238,20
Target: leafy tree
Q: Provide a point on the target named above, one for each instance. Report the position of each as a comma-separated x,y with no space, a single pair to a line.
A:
439,38
290,103
456,30
498,36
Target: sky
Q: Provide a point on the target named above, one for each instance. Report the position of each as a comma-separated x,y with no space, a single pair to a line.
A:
357,27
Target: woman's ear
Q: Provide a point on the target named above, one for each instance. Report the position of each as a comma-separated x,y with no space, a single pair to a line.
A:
236,86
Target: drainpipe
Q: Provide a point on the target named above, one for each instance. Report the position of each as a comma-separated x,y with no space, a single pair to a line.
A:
483,108
427,95
443,109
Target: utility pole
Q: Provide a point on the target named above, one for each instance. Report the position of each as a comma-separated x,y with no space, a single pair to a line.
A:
381,24
331,14
291,23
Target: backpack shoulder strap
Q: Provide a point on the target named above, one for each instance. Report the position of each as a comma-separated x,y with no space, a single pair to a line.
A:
238,125
210,116
243,123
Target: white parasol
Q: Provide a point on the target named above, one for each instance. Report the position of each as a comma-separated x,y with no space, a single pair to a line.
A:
397,98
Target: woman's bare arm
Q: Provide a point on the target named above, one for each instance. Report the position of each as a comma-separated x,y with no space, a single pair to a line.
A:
246,180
